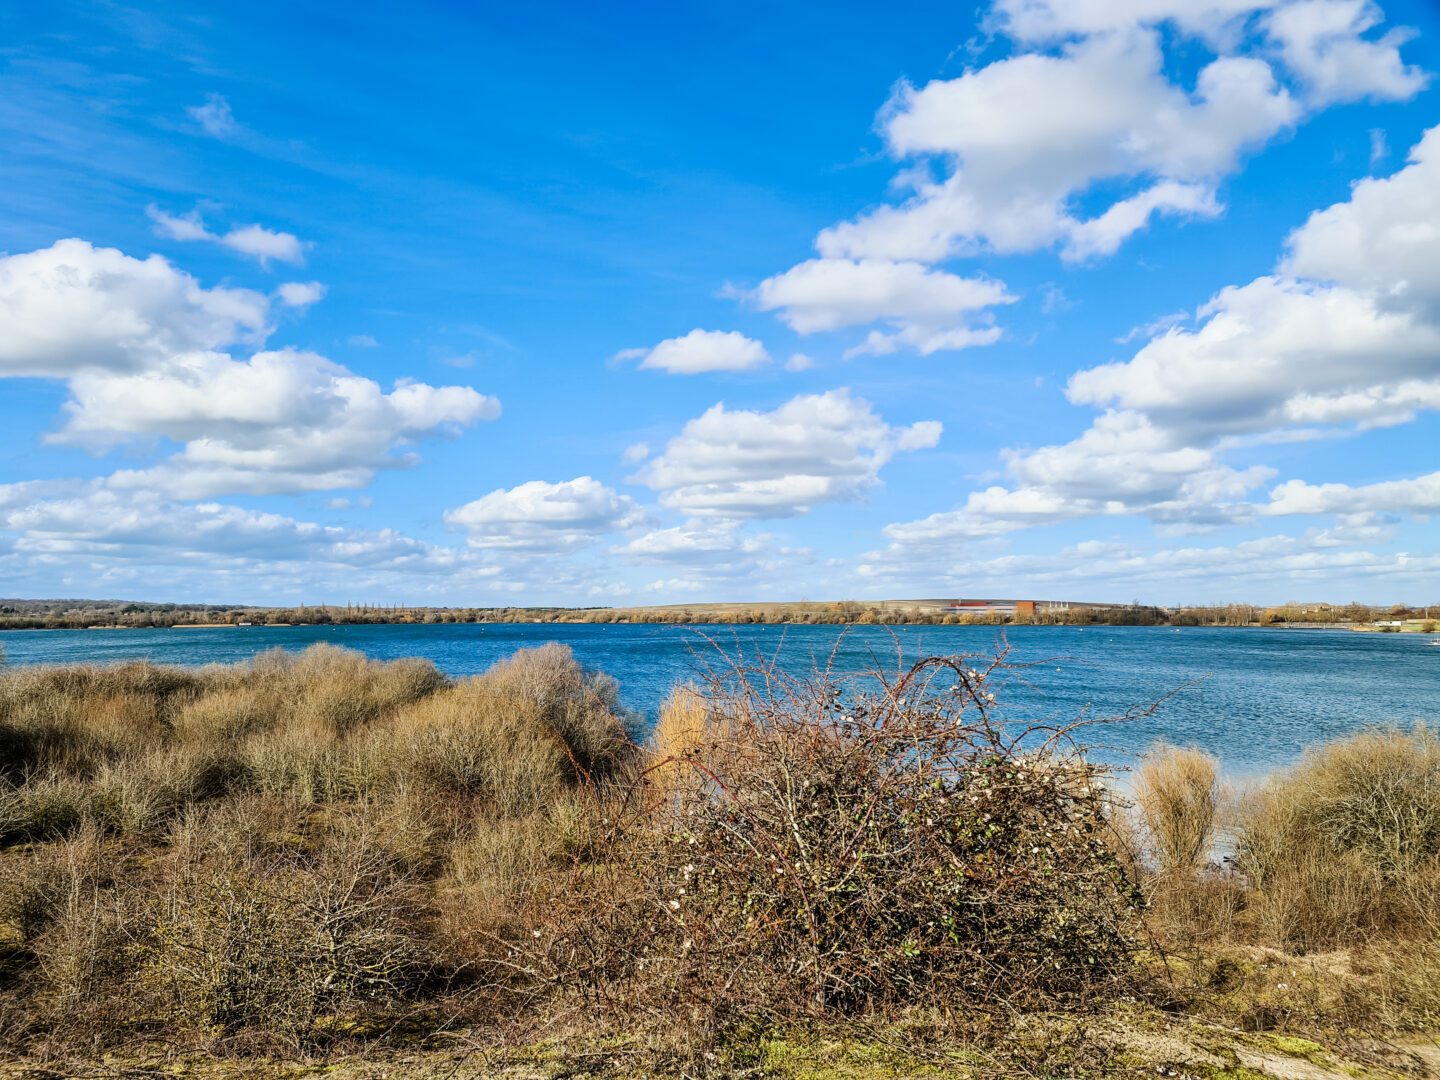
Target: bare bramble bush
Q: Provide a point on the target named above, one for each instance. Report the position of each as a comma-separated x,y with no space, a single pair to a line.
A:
819,846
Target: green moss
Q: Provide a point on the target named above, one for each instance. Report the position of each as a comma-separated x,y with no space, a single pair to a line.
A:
1301,1048
827,1059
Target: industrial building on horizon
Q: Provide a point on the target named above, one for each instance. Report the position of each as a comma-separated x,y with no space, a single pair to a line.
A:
950,606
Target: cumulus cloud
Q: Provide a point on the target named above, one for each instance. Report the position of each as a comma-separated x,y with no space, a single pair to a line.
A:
1420,495
264,244
926,307
92,536
1347,333
300,294
1025,134
815,448
1078,140
1345,336
256,241
282,421
540,516
1043,21
701,351
716,553
1088,100
72,306
141,346
1323,43
695,540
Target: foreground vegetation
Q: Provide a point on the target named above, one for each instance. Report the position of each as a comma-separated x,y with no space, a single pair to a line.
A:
97,614
330,861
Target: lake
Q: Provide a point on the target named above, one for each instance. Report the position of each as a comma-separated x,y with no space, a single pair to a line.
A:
1254,697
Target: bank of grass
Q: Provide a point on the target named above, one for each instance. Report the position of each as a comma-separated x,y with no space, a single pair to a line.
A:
324,860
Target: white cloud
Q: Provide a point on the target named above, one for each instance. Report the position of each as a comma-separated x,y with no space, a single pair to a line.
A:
1041,21
1379,147
1275,353
540,516
264,244
1122,465
1348,333
717,554
1078,140
1023,135
140,343
1326,45
1321,42
91,537
71,306
926,307
1190,574
362,341
1384,239
214,117
815,448
635,453
924,340
282,421
256,241
1420,495
701,351
1103,235
827,294
799,362
300,294
1089,100
185,227
695,540
90,520
1354,343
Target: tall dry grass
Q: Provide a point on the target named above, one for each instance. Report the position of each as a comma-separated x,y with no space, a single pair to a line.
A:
1347,844
246,853
1177,791
285,853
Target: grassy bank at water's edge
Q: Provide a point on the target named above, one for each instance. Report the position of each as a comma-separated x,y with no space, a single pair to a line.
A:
322,861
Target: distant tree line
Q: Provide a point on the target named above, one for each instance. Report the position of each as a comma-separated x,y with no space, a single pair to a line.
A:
82,614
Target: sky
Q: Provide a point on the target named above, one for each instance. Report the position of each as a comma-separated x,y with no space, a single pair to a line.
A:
580,304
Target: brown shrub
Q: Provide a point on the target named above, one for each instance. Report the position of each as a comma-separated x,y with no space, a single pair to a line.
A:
1178,795
1345,844
830,849
581,708
259,930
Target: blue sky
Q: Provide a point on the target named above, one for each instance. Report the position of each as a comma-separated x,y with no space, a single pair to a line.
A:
1133,299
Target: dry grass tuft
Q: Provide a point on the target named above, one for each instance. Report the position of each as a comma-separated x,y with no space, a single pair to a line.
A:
1178,793
1345,845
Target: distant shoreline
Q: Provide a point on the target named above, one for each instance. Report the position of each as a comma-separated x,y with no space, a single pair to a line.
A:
1417,627
117,614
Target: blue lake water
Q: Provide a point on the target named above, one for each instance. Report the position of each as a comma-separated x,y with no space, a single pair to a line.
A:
1254,697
